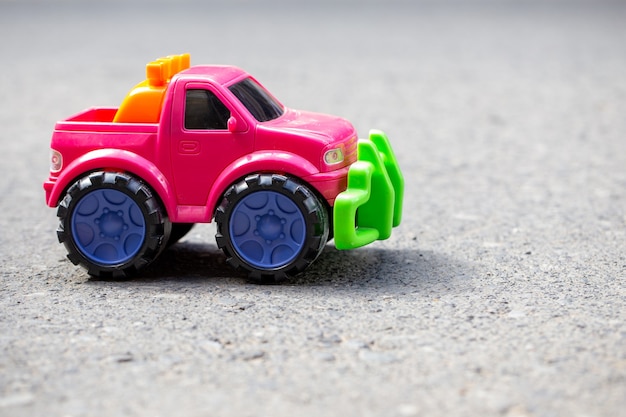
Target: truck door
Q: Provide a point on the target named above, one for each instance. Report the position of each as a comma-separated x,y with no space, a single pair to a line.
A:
202,145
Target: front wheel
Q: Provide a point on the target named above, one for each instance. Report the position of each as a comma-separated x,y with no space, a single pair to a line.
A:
111,224
271,226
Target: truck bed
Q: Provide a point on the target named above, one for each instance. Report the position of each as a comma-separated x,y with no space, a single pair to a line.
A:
100,119
93,129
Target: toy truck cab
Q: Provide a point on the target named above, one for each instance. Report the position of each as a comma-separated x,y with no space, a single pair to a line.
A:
190,144
224,126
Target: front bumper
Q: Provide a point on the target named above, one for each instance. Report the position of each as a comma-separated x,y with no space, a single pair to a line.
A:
372,204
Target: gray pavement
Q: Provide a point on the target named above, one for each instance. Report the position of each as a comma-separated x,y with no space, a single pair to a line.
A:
501,294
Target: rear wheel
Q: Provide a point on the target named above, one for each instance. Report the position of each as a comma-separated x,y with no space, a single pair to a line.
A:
111,224
270,226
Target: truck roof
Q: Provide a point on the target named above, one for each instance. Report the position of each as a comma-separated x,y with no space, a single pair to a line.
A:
219,74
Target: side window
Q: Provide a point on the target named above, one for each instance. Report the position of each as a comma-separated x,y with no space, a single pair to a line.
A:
203,110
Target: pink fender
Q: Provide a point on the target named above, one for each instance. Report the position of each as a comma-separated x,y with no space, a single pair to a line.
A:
113,159
261,161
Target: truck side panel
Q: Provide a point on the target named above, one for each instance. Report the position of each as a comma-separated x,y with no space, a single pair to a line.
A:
113,159
91,145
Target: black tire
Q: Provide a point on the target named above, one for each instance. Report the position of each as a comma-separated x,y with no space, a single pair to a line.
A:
179,230
112,224
286,233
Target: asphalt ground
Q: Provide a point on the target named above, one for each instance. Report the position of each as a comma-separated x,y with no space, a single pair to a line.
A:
501,294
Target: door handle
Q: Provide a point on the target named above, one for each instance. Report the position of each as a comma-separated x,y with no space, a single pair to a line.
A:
189,147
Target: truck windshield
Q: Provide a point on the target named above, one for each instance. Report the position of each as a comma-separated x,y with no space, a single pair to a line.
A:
258,101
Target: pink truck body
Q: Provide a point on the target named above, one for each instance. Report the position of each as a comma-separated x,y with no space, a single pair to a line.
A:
191,169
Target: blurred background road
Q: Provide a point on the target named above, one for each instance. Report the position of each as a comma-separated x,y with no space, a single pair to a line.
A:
501,294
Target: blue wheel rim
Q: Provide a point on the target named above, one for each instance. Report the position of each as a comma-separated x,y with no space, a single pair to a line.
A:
267,229
108,227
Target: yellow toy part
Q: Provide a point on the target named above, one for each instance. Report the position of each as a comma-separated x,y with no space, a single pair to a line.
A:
143,103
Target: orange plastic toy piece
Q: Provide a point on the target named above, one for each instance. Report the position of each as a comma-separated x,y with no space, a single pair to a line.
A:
143,102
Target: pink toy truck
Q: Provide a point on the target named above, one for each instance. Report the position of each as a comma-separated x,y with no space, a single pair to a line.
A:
193,144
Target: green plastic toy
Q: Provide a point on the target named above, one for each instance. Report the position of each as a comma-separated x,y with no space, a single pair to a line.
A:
374,195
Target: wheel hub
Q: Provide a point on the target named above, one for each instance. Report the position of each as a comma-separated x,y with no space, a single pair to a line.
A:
270,227
111,224
108,227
